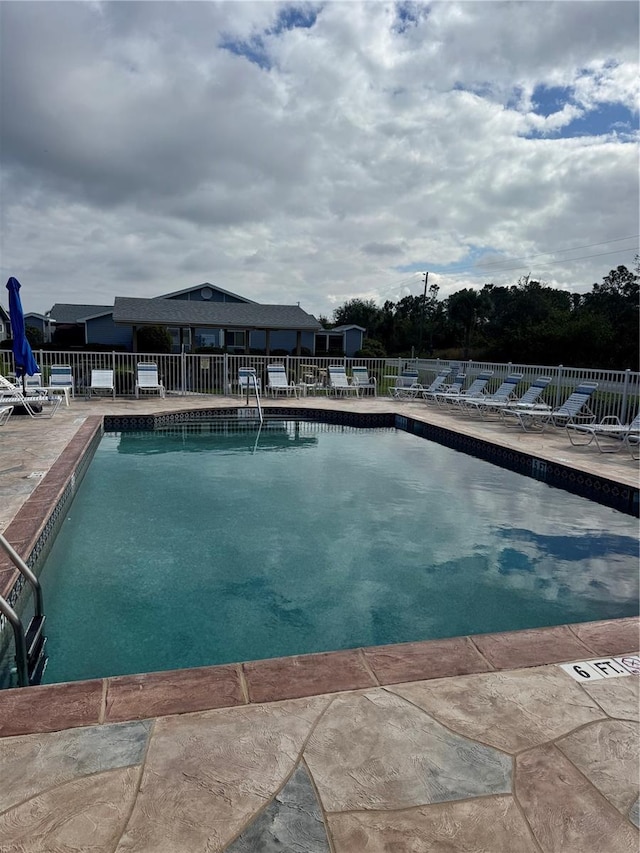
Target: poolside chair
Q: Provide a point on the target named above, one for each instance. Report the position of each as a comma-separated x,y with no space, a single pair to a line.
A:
61,379
102,380
147,379
5,414
248,381
529,399
37,403
610,435
339,381
437,383
407,386
474,390
483,404
454,387
538,418
277,382
360,377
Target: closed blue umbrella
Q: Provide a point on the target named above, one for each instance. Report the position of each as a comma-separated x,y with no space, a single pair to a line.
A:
22,354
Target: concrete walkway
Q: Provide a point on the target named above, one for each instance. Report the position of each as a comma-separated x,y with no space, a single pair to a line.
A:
485,744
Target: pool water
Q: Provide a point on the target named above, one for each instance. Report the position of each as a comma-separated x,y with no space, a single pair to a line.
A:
209,544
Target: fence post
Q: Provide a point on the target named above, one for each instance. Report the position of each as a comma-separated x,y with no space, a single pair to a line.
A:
225,367
183,371
557,399
625,396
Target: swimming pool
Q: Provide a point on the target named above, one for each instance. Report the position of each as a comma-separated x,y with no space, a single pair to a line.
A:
212,543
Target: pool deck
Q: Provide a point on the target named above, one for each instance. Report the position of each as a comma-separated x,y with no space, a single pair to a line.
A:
482,743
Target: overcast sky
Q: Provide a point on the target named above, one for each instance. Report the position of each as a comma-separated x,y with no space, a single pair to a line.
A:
315,152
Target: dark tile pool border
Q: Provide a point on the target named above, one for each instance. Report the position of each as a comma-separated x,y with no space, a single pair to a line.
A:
599,489
33,529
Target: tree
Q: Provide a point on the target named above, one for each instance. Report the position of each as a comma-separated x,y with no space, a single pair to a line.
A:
464,309
34,336
371,349
358,312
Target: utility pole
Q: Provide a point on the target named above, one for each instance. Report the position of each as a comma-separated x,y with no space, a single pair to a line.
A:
424,312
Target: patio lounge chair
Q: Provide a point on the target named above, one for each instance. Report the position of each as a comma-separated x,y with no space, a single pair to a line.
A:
529,399
339,381
454,387
5,414
573,410
147,379
35,385
610,435
437,384
277,382
248,381
407,386
61,379
102,380
38,404
483,404
360,377
474,390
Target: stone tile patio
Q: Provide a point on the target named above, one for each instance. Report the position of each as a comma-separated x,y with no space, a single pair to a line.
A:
480,744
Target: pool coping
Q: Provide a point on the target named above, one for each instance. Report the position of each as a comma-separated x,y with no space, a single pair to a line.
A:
130,697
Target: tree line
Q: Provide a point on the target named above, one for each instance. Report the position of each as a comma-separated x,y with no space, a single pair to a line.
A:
528,322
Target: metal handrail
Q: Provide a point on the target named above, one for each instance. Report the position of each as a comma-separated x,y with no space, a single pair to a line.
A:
26,573
254,379
22,664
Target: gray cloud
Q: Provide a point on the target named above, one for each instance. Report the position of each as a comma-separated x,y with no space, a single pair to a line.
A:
146,147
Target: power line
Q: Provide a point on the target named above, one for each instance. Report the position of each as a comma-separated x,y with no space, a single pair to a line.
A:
542,263
573,249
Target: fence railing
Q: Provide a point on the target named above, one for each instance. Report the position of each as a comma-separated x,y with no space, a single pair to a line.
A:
187,374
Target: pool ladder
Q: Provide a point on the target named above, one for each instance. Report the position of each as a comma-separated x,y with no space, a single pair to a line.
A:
252,382
30,644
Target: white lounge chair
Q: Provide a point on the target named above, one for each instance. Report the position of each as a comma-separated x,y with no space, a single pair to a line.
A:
101,381
454,387
277,382
61,379
360,377
248,379
529,400
484,404
339,381
610,435
438,384
5,414
147,379
538,418
407,386
37,404
35,385
474,390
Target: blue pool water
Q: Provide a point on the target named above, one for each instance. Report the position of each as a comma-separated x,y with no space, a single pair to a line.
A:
191,546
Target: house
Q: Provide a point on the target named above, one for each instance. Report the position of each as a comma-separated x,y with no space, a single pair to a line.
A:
340,339
5,324
207,315
40,322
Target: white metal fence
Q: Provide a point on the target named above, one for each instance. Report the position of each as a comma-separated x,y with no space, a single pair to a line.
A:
186,374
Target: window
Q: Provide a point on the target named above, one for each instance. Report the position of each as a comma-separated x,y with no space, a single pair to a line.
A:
235,340
328,343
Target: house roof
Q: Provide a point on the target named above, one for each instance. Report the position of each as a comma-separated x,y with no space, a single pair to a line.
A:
227,315
196,288
65,313
346,328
